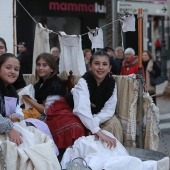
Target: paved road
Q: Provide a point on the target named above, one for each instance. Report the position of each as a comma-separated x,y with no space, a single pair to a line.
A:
163,102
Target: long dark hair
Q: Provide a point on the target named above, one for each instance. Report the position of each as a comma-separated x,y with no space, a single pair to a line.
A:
149,54
7,90
5,57
49,59
3,42
100,53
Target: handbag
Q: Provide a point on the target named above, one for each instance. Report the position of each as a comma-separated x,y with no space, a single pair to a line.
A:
76,166
156,80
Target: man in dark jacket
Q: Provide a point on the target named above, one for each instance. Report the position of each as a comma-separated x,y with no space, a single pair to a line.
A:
25,58
115,65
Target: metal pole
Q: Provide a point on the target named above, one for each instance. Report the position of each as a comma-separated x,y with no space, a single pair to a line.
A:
115,25
140,45
14,28
168,36
163,52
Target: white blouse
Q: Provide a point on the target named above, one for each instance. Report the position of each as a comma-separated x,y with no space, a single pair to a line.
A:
82,106
49,100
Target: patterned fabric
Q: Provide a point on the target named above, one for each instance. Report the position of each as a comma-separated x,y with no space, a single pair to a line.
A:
31,113
128,114
113,126
151,120
65,127
127,106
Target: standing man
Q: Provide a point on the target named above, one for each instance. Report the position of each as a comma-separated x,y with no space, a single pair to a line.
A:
25,58
87,55
119,56
115,65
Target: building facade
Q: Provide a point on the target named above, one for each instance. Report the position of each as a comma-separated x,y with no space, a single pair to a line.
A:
71,16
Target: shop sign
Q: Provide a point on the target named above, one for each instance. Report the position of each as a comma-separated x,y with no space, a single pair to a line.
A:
77,7
150,0
147,8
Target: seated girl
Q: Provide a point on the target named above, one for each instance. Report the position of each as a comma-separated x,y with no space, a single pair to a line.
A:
18,133
9,72
49,87
90,103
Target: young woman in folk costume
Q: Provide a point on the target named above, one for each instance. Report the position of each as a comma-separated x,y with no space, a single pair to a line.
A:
49,87
9,72
89,104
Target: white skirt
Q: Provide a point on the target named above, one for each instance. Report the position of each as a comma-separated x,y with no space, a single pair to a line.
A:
99,157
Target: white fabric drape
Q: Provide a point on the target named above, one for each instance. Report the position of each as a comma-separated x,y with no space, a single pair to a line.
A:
41,43
71,57
27,90
96,38
92,150
128,23
39,156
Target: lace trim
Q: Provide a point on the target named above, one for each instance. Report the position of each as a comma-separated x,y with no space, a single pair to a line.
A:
153,111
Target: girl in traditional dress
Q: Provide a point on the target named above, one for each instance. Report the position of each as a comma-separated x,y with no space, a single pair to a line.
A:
89,104
49,87
9,72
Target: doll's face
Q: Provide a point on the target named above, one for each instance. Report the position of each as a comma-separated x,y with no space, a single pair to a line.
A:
100,67
9,71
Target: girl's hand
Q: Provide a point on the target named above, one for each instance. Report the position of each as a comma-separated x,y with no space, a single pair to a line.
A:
13,117
110,141
15,136
26,97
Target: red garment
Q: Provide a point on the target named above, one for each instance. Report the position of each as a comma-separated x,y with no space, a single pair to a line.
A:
130,68
157,43
65,127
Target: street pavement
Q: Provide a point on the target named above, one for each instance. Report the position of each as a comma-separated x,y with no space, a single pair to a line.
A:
163,103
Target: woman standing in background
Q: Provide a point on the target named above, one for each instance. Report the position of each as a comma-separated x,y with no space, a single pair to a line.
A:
150,67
